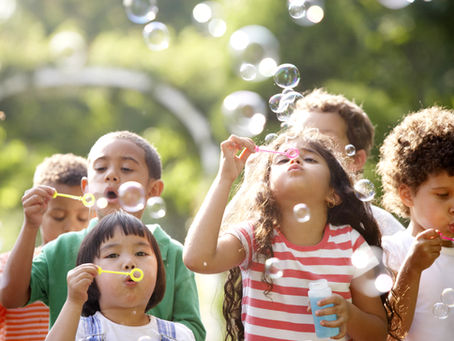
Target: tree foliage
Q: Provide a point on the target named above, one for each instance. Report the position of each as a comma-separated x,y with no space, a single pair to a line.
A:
392,62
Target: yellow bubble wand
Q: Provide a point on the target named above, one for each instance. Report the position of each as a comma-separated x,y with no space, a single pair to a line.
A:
88,199
136,274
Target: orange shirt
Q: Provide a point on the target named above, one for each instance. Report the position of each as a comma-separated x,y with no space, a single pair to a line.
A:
27,323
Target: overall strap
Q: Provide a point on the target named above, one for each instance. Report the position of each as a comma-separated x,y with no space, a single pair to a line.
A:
166,329
92,328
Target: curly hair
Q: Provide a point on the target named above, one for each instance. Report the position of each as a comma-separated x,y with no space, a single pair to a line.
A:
360,131
422,144
254,202
60,169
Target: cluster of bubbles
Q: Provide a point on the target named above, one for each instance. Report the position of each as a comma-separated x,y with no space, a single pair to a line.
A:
442,309
132,198
287,77
155,33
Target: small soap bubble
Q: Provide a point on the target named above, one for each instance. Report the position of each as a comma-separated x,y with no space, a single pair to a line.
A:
272,269
102,203
94,337
270,137
447,297
302,213
156,36
145,338
440,310
131,196
284,115
274,102
248,71
360,258
141,11
287,76
383,283
288,101
297,8
157,207
205,263
364,190
350,150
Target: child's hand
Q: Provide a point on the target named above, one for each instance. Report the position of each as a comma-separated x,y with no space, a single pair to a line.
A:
231,164
35,202
79,279
340,308
425,249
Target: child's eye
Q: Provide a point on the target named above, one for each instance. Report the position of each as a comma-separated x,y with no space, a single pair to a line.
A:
282,160
309,159
100,169
126,169
111,255
58,218
443,195
141,253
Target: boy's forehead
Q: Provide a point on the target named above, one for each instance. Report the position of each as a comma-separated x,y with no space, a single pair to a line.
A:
116,148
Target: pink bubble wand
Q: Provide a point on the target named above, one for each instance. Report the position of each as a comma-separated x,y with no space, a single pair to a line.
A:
444,237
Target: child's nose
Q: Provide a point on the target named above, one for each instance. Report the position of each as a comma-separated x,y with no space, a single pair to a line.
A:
111,176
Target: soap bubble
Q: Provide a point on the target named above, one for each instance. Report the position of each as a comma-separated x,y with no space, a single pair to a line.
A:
274,102
248,71
157,207
297,8
302,213
350,150
384,282
102,203
156,36
440,310
141,11
447,297
287,76
131,196
244,113
255,45
270,137
272,269
364,190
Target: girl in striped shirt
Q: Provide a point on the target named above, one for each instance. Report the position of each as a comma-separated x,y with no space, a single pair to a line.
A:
262,225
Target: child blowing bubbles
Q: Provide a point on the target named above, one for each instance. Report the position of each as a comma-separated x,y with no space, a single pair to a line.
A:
114,159
319,248
111,304
417,169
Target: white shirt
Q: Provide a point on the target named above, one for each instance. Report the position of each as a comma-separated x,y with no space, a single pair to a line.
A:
387,223
149,332
436,278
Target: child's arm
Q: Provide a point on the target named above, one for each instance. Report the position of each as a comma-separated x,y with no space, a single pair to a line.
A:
425,250
79,279
15,282
203,251
364,319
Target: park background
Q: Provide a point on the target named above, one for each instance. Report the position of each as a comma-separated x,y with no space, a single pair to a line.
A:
71,71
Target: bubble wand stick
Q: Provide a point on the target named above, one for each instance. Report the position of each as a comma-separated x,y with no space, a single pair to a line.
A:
444,237
136,274
88,199
291,153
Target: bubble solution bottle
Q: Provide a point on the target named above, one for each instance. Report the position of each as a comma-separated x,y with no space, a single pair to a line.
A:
318,290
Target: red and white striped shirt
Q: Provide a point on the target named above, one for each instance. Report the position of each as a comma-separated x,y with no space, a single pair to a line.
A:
29,323
282,314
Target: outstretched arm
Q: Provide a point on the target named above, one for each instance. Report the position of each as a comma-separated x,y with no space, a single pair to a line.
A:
15,282
425,250
79,279
203,251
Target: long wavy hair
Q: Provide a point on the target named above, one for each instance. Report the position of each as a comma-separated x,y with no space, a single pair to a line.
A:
254,202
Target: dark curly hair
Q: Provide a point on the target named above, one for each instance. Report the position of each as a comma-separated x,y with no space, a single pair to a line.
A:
254,202
421,145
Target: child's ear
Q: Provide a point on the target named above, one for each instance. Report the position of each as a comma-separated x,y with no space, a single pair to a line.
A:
405,195
155,188
333,199
84,184
359,160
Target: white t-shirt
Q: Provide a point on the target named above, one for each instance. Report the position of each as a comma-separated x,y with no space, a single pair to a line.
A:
387,223
117,332
436,278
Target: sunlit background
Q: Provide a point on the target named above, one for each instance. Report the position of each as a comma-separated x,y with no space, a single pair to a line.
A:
186,74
